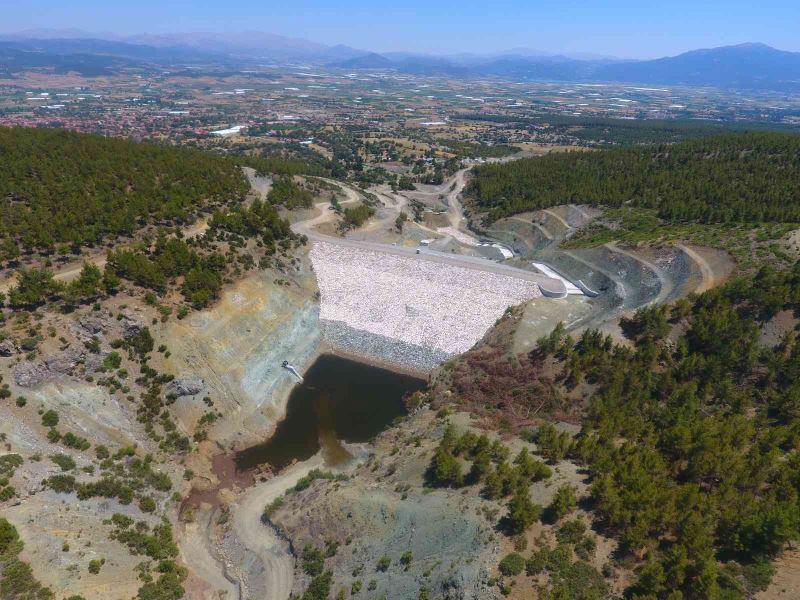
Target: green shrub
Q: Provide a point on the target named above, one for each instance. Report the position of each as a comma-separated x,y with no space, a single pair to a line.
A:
64,461
147,504
522,512
406,558
18,582
29,344
273,507
70,440
167,587
571,532
8,536
304,482
512,564
62,484
112,361
319,588
356,216
313,560
50,418
95,565
563,503
383,564
9,463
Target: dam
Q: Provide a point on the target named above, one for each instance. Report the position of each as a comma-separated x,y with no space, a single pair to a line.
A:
413,310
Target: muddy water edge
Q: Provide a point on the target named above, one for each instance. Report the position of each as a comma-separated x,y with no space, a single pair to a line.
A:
340,400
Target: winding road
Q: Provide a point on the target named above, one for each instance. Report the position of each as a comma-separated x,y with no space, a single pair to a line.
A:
262,539
709,279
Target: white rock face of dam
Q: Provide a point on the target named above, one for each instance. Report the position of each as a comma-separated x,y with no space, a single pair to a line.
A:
405,309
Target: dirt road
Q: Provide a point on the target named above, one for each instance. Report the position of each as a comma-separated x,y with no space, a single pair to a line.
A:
261,539
455,212
196,552
707,273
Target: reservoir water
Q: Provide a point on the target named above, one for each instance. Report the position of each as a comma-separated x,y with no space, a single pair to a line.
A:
339,400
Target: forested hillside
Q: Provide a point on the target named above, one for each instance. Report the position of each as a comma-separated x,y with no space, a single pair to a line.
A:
690,436
605,131
747,177
58,186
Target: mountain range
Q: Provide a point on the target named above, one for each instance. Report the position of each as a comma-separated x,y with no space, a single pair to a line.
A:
745,66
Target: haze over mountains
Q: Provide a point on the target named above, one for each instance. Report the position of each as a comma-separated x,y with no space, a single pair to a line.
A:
744,66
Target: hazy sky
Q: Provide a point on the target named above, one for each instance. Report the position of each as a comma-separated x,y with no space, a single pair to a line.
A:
626,28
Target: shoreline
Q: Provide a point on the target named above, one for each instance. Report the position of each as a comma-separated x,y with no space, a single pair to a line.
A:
371,360
245,479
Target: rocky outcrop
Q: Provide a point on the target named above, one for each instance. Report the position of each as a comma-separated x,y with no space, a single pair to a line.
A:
130,326
186,386
452,544
92,324
236,348
30,374
7,348
93,362
64,363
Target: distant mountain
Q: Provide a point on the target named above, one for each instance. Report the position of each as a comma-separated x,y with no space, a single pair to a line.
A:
251,46
247,46
53,34
534,53
365,61
14,60
746,66
558,68
341,53
246,42
101,47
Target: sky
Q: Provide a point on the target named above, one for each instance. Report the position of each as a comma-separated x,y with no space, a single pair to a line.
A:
622,28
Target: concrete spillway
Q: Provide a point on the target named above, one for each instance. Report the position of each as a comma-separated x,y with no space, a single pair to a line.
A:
570,287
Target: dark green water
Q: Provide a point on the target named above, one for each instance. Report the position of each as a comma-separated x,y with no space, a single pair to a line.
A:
339,399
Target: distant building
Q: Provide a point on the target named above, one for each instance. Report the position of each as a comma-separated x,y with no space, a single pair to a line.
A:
230,131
